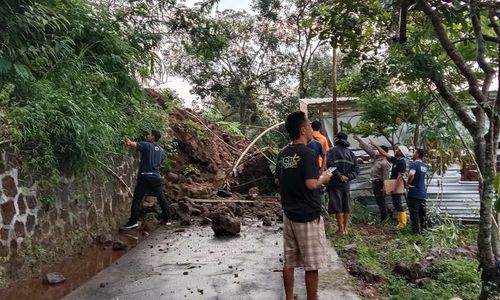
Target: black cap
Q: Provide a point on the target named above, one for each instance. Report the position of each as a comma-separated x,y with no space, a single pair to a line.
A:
341,136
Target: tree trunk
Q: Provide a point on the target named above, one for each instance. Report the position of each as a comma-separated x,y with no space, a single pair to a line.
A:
243,114
302,87
334,91
486,163
416,137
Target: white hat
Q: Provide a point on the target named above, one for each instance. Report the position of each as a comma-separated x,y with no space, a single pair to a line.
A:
404,150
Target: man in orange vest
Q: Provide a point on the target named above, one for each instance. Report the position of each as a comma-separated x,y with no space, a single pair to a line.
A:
316,126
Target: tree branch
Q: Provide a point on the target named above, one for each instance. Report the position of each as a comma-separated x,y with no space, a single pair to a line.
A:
483,64
457,107
455,55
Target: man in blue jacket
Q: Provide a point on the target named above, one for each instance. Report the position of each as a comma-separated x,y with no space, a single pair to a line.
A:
416,191
148,178
338,188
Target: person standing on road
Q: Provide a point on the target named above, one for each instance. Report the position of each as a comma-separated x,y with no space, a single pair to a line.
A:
148,178
304,239
378,173
416,191
316,126
397,172
338,188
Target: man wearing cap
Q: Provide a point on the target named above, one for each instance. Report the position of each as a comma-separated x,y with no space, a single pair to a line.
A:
378,173
416,191
397,172
338,187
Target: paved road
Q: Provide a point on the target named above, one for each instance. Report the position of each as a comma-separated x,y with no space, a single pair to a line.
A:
194,264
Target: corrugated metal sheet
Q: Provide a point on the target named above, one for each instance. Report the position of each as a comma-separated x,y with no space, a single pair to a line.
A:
446,194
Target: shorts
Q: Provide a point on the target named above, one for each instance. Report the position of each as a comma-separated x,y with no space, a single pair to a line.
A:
340,202
304,244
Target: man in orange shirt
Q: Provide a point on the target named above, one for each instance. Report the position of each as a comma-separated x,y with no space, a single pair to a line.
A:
316,126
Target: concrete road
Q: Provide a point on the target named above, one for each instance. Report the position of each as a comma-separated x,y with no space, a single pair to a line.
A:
193,264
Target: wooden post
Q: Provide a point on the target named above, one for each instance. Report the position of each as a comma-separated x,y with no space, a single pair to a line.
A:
334,91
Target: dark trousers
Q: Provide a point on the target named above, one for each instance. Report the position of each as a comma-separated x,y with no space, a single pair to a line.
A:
396,201
378,192
417,214
148,185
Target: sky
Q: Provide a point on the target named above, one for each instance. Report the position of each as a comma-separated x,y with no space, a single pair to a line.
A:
182,87
227,4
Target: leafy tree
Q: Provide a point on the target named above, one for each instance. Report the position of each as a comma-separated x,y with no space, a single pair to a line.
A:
452,48
238,58
68,81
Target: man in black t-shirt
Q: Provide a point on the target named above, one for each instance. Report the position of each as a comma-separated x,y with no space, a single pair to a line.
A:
148,178
397,172
304,237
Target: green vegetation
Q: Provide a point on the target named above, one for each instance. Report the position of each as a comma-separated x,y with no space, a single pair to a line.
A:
196,129
378,247
188,169
68,88
232,128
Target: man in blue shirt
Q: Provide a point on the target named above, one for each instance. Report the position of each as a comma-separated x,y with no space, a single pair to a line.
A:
416,191
319,152
148,178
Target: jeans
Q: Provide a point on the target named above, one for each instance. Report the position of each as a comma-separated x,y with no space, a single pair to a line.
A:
143,186
417,214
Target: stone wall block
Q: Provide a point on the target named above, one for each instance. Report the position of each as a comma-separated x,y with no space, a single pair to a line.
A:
31,201
30,223
4,234
13,246
19,229
4,250
9,186
21,204
8,212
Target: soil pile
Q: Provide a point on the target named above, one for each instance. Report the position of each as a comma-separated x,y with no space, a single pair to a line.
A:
200,182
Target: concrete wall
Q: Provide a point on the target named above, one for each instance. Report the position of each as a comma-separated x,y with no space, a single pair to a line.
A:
81,207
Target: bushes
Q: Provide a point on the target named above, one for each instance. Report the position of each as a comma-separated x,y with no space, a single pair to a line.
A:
378,247
68,93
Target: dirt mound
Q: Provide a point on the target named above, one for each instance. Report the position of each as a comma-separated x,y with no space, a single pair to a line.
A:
205,156
199,181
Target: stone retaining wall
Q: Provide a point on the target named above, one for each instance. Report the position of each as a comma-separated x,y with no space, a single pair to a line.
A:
80,207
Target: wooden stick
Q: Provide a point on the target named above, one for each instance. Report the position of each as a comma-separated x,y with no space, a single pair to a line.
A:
230,201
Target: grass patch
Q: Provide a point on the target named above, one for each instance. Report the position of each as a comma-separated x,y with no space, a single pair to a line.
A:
378,247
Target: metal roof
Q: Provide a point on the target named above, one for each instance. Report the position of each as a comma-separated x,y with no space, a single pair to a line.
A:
326,100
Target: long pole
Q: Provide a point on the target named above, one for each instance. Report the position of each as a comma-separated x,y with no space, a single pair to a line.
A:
334,91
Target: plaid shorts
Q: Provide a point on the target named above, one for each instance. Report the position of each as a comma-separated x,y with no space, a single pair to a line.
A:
304,244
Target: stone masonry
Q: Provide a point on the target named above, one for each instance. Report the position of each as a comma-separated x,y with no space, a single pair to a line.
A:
79,207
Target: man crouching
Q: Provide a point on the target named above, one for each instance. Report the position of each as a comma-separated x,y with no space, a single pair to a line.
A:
304,239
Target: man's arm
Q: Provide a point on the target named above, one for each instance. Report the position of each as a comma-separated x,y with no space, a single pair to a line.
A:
380,150
411,175
130,143
365,146
313,184
355,168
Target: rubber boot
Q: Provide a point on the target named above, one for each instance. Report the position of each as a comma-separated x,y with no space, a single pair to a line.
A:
402,219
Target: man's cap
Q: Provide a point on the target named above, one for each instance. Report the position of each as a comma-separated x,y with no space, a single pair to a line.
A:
404,150
341,136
